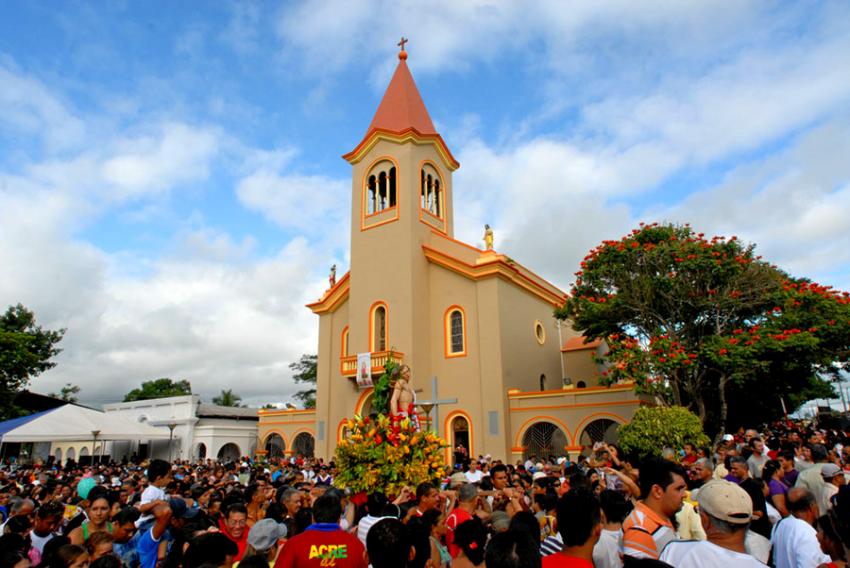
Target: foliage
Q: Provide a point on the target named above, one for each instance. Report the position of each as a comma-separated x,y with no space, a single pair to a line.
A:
700,322
227,398
68,393
305,372
159,388
653,428
26,351
387,453
383,389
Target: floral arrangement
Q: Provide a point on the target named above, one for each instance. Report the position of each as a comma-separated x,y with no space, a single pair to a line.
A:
382,452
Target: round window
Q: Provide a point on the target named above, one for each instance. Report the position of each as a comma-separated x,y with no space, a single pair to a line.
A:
539,332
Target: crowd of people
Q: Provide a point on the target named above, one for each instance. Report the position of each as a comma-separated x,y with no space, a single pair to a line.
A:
771,497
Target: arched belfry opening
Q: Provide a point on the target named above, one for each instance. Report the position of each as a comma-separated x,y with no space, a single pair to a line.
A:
381,188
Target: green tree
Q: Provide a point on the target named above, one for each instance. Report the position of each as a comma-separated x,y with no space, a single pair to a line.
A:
68,393
707,324
26,351
304,371
227,398
159,388
653,428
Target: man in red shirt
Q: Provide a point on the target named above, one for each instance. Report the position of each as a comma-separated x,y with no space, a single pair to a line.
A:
580,524
324,543
467,503
234,525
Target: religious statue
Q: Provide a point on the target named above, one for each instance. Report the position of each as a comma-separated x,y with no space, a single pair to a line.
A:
403,401
332,276
488,237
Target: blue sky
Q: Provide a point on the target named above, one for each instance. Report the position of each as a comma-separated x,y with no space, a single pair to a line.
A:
172,192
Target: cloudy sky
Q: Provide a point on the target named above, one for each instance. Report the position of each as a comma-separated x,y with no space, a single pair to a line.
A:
172,192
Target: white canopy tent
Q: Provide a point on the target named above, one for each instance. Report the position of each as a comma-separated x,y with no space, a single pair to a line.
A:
71,423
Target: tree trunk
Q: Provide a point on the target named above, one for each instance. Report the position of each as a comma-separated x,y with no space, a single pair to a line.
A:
724,407
701,408
674,386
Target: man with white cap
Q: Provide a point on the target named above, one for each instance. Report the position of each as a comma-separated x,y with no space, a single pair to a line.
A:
265,538
725,511
833,478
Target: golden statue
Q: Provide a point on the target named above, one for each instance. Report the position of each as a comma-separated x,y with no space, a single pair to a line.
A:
488,237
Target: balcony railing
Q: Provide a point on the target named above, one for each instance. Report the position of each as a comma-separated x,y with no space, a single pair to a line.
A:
348,365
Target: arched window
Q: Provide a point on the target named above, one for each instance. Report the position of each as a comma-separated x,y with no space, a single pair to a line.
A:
343,351
542,382
455,332
431,191
378,335
381,188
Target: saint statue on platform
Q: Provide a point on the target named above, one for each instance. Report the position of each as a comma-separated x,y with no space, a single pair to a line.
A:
403,400
332,276
488,237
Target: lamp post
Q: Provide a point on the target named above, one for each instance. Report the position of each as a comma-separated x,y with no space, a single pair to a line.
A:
94,434
171,428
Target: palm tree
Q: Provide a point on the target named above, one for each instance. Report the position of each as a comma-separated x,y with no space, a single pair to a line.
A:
227,398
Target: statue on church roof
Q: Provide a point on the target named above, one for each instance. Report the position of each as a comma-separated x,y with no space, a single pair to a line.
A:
332,276
488,237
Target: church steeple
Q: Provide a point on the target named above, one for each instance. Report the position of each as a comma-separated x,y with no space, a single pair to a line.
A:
401,117
402,108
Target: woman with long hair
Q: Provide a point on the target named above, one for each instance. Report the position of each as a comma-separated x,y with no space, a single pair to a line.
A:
98,520
772,475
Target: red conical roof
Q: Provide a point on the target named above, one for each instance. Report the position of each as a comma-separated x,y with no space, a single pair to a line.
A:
402,107
402,115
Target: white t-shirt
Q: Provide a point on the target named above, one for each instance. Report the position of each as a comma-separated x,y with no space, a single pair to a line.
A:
826,492
795,545
38,542
704,554
474,477
757,546
606,551
151,493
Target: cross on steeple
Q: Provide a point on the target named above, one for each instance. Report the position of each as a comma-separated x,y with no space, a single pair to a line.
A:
403,41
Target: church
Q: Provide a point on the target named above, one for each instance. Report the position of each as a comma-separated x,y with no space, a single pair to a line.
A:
493,370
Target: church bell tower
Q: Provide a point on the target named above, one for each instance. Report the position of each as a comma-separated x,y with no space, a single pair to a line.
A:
401,194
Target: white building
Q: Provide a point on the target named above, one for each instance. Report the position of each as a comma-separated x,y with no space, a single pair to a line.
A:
197,430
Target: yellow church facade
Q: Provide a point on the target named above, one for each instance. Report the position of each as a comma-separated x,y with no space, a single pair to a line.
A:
492,368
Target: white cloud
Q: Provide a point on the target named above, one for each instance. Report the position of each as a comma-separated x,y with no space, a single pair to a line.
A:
310,204
178,153
793,205
31,109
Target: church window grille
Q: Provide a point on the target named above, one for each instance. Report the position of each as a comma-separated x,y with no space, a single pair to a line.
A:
381,188
431,191
455,330
379,329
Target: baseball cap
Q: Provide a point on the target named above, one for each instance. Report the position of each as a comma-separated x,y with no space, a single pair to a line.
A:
85,485
265,534
728,437
538,475
726,501
500,521
830,470
180,510
457,478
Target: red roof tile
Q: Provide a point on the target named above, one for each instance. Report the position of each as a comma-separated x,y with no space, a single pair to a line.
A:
578,344
402,107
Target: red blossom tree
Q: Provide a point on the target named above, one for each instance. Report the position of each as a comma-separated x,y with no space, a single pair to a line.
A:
707,324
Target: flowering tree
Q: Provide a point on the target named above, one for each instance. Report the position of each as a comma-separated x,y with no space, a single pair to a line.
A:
707,324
